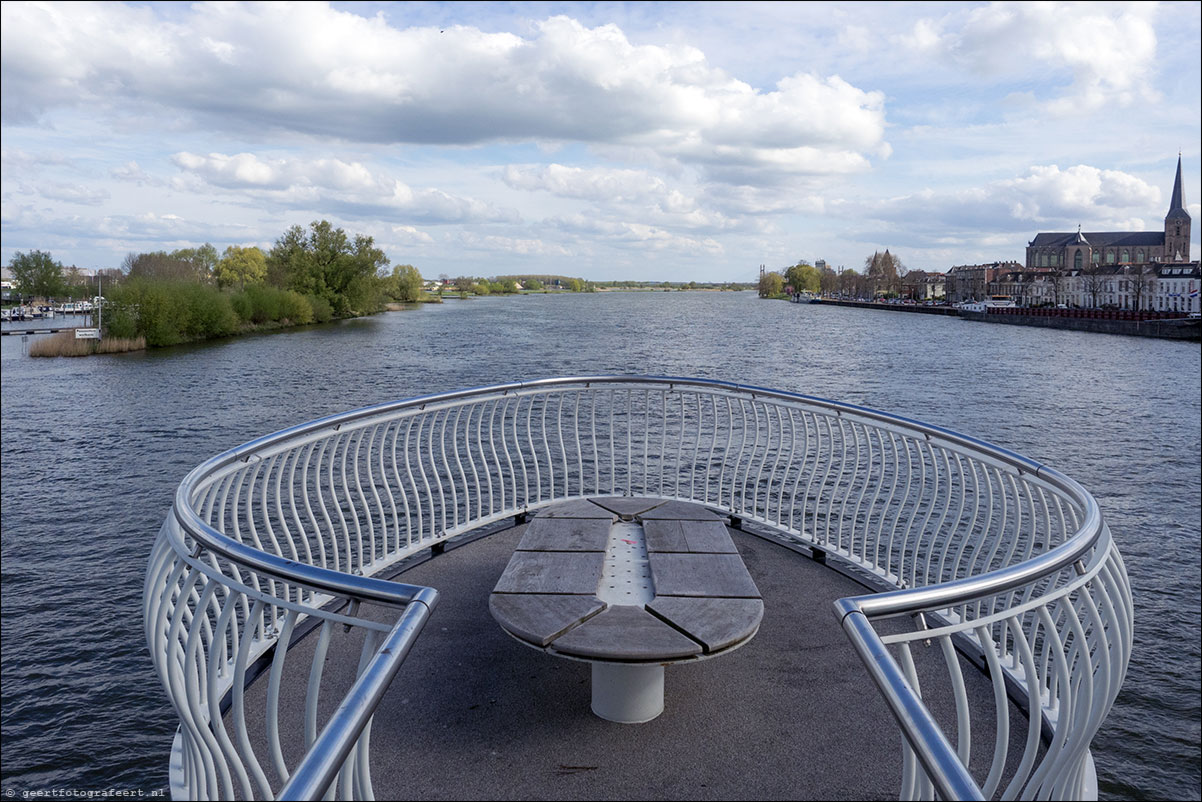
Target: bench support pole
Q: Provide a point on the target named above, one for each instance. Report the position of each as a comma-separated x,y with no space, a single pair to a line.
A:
628,694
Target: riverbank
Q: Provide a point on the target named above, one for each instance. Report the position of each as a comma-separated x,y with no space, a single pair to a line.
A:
1094,321
948,311
1165,329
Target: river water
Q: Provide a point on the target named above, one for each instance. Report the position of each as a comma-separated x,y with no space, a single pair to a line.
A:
92,450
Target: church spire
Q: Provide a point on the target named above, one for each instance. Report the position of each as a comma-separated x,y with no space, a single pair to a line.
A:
1177,202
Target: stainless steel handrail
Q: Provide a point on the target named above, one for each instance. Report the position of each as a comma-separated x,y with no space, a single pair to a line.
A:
314,776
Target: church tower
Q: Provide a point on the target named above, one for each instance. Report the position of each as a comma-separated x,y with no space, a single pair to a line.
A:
1177,224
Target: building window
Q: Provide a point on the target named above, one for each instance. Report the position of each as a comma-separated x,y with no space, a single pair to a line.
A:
1126,256
1077,261
1110,257
1139,256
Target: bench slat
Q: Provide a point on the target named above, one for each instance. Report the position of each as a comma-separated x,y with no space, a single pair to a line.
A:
717,623
626,633
716,575
539,618
552,572
566,534
697,537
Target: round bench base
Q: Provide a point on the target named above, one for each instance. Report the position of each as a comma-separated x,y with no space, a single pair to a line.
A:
628,694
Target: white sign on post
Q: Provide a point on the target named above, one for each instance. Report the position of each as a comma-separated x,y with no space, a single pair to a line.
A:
87,334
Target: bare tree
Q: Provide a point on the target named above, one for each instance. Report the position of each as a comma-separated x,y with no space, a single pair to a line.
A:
1143,286
1094,282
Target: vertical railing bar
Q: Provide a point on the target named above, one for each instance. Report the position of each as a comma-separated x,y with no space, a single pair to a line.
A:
520,452
779,449
421,469
417,501
400,488
437,469
755,488
646,441
462,478
863,445
471,457
836,488
273,696
380,546
357,516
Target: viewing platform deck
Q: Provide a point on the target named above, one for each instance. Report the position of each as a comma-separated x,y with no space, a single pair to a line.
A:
790,715
939,616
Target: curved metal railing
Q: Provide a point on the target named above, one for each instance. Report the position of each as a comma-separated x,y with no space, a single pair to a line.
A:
1001,560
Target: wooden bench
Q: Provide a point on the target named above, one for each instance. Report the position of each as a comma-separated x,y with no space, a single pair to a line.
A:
630,585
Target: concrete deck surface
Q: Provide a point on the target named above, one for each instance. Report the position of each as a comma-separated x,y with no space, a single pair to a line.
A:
474,714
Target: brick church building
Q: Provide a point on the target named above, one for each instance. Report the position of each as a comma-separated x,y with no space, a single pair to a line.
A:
1076,251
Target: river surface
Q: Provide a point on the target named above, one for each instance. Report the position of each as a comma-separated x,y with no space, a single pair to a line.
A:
92,450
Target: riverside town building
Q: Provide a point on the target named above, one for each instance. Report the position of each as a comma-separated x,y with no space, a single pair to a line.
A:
1129,270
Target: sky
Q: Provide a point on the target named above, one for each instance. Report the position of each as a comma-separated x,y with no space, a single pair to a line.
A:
642,141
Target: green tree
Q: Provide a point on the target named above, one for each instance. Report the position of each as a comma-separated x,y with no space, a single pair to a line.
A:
532,284
241,267
36,274
163,265
203,260
771,285
405,283
803,278
326,263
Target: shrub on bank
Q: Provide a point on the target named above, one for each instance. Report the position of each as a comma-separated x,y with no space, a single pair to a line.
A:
261,304
322,311
169,312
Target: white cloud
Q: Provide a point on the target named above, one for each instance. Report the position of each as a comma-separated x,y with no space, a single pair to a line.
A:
132,171
596,184
347,187
311,69
1108,49
408,235
73,193
1045,199
515,245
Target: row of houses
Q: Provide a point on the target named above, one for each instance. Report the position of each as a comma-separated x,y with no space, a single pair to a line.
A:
1159,287
1155,286
1128,270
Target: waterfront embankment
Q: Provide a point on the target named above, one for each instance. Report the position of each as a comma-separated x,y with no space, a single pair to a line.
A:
1092,320
949,311
1164,328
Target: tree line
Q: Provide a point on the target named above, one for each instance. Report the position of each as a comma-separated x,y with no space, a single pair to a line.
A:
312,274
882,275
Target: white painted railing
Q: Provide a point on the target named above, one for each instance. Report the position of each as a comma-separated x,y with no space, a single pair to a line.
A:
997,556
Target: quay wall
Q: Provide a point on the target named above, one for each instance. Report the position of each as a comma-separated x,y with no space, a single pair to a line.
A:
1170,329
1165,329
922,310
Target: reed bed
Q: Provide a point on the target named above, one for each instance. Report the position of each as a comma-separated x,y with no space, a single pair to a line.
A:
65,344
